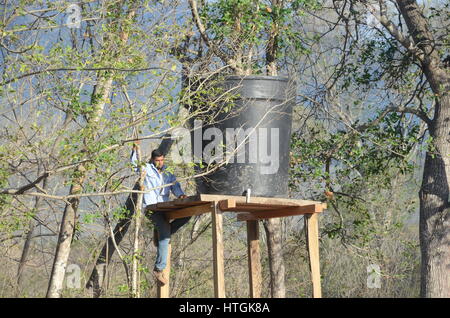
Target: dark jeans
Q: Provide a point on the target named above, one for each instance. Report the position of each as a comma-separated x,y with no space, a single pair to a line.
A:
165,230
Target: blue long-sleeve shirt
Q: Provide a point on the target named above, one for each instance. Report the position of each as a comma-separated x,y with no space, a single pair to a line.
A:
155,179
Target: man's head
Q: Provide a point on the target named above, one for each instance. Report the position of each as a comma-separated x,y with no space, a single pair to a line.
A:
157,159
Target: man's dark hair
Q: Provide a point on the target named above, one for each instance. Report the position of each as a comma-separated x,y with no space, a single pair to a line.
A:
156,153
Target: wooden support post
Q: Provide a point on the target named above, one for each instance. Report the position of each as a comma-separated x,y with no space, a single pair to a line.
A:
218,262
164,291
312,240
254,259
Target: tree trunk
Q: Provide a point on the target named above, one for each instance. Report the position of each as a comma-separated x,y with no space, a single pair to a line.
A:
68,222
135,282
272,44
25,250
65,239
434,193
435,208
272,228
27,244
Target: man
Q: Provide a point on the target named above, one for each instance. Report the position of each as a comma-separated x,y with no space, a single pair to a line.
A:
157,176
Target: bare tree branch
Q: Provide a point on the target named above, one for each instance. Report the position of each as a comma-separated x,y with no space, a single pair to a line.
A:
201,28
396,33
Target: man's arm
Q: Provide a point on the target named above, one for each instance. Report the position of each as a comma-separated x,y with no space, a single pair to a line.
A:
176,188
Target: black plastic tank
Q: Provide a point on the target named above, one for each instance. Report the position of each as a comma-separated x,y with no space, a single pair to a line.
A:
254,136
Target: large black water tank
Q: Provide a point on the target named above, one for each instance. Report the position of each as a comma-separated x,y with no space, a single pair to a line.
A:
264,103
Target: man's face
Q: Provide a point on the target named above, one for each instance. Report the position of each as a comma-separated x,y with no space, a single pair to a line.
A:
158,162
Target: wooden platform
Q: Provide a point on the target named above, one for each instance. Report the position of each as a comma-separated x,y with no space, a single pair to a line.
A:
250,210
258,207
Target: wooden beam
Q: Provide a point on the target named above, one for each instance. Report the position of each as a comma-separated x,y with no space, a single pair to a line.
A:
283,212
254,259
190,211
253,207
227,204
218,262
164,291
164,209
260,200
312,239
188,200
177,205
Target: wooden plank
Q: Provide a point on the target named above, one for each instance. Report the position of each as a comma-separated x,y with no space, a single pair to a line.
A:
172,203
312,239
227,204
232,205
261,200
313,208
162,209
254,259
190,211
177,205
251,209
218,262
265,205
164,291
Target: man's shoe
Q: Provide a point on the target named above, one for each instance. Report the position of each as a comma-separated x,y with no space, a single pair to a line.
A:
159,276
155,237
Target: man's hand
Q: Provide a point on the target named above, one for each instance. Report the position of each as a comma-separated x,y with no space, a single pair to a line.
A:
329,195
183,196
136,143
